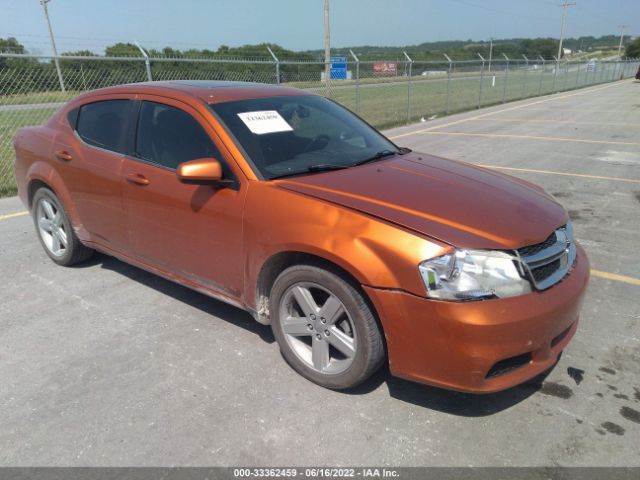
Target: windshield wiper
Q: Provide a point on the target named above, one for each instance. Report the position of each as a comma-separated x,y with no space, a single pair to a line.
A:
323,167
320,167
376,156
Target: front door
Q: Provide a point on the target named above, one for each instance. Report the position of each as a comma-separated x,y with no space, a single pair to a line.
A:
192,231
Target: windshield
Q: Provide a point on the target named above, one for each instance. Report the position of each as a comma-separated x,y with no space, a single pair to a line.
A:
301,134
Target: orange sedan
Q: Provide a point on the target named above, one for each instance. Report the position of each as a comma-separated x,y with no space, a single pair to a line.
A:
283,203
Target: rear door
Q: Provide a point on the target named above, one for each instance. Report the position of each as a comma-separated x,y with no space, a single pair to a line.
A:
91,156
194,231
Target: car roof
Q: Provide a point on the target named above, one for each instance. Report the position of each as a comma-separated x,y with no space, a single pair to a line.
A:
209,91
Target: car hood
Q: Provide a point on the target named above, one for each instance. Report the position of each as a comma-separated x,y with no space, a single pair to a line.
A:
454,202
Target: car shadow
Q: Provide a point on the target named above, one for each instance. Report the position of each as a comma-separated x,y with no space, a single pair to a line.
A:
217,308
434,398
448,401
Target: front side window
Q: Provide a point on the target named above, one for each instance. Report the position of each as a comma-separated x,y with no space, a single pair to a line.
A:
301,134
168,136
102,124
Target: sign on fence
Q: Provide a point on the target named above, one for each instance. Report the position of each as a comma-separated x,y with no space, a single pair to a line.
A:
385,68
338,68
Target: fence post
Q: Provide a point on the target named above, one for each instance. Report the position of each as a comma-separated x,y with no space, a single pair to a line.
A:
277,62
409,87
357,79
84,82
481,80
526,72
147,64
506,78
555,73
448,82
541,75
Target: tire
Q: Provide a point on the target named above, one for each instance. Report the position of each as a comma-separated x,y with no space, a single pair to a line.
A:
54,229
324,327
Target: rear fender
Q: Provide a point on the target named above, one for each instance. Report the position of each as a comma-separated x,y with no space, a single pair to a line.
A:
43,172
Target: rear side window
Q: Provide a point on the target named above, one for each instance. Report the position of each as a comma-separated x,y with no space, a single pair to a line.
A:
102,124
168,136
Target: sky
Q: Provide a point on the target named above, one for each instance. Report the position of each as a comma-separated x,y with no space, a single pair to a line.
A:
298,24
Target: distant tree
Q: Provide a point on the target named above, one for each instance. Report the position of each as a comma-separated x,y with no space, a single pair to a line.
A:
11,45
80,53
545,47
633,49
113,73
122,50
73,63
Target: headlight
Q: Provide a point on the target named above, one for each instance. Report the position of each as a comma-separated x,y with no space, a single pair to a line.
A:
473,275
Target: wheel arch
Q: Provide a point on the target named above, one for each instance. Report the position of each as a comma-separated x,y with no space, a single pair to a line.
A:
43,175
34,185
278,262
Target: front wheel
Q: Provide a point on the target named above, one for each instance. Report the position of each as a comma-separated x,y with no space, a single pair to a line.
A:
54,230
324,327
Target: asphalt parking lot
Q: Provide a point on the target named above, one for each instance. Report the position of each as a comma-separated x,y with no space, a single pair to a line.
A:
104,364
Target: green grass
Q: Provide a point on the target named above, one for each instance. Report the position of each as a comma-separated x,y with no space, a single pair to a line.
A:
382,103
385,106
38,97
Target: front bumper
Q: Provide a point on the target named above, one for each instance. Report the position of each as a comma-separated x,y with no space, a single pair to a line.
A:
461,345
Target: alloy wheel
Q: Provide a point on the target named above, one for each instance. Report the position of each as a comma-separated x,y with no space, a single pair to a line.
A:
51,227
318,328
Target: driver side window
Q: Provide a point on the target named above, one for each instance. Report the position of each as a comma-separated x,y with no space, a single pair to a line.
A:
168,136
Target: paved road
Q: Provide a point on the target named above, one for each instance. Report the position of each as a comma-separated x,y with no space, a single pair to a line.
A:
104,364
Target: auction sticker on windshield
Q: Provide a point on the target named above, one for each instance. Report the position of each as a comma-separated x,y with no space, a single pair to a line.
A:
265,121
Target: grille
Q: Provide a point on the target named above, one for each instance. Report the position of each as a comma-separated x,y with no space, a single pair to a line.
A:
545,271
538,247
548,262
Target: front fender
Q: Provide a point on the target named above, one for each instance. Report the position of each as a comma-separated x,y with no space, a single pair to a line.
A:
376,253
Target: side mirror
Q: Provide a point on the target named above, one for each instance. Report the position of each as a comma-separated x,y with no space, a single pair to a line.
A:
202,171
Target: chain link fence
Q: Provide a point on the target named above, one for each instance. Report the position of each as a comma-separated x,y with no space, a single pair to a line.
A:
385,93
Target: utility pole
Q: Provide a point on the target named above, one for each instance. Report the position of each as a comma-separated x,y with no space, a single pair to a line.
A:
490,53
622,29
53,43
327,46
564,16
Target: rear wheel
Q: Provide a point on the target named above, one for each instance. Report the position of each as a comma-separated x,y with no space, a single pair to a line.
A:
324,327
54,230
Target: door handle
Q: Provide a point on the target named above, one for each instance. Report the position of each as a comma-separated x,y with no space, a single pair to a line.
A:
63,155
138,179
